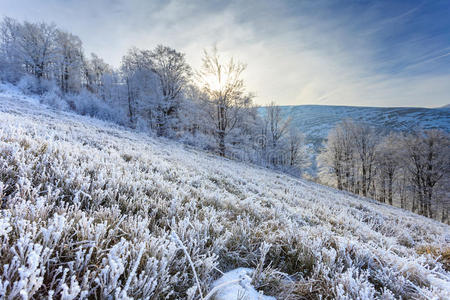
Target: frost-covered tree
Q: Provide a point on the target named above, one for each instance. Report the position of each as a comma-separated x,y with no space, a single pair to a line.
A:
28,48
338,157
413,169
140,84
37,48
364,142
388,164
42,51
427,158
173,74
349,155
225,93
11,65
155,82
68,62
277,127
96,74
298,159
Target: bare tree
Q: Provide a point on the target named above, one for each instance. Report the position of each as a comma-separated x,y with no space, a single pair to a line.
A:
428,162
69,61
30,47
140,80
365,141
338,155
278,126
173,73
298,159
223,84
388,156
11,63
37,48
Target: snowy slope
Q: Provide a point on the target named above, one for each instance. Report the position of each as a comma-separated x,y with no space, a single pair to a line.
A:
316,120
92,209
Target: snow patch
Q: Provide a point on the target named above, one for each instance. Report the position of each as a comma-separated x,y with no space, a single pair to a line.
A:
9,90
236,284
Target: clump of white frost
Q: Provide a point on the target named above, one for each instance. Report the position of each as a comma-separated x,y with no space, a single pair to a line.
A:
236,284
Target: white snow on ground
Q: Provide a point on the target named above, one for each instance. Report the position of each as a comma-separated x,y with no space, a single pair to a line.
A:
8,90
88,210
236,284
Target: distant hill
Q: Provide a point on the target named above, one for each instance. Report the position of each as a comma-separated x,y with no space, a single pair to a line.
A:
315,121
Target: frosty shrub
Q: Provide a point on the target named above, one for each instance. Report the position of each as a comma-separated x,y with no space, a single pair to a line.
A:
90,210
28,84
86,103
53,98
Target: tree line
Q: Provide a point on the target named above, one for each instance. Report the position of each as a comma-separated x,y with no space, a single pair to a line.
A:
153,90
410,170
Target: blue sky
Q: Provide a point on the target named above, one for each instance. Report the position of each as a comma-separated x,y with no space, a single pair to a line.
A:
371,53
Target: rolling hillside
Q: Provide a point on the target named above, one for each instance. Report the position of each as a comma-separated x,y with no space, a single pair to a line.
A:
90,209
316,120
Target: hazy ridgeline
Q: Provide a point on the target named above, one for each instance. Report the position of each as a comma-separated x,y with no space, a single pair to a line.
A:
157,92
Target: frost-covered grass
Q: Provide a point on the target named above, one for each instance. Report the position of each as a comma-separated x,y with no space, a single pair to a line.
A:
89,209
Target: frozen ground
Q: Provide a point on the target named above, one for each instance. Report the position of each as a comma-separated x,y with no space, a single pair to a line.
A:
89,209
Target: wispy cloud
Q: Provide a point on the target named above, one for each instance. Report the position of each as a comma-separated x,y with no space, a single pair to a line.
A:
392,53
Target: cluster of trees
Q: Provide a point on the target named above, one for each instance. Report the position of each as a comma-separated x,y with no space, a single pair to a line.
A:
154,90
48,55
409,170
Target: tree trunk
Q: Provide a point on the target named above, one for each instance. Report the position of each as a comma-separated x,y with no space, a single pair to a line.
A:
339,178
383,191
390,179
66,80
221,136
414,203
130,106
444,214
160,124
363,181
429,198
222,127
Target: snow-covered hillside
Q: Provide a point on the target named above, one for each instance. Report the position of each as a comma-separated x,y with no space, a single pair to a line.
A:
317,120
89,209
